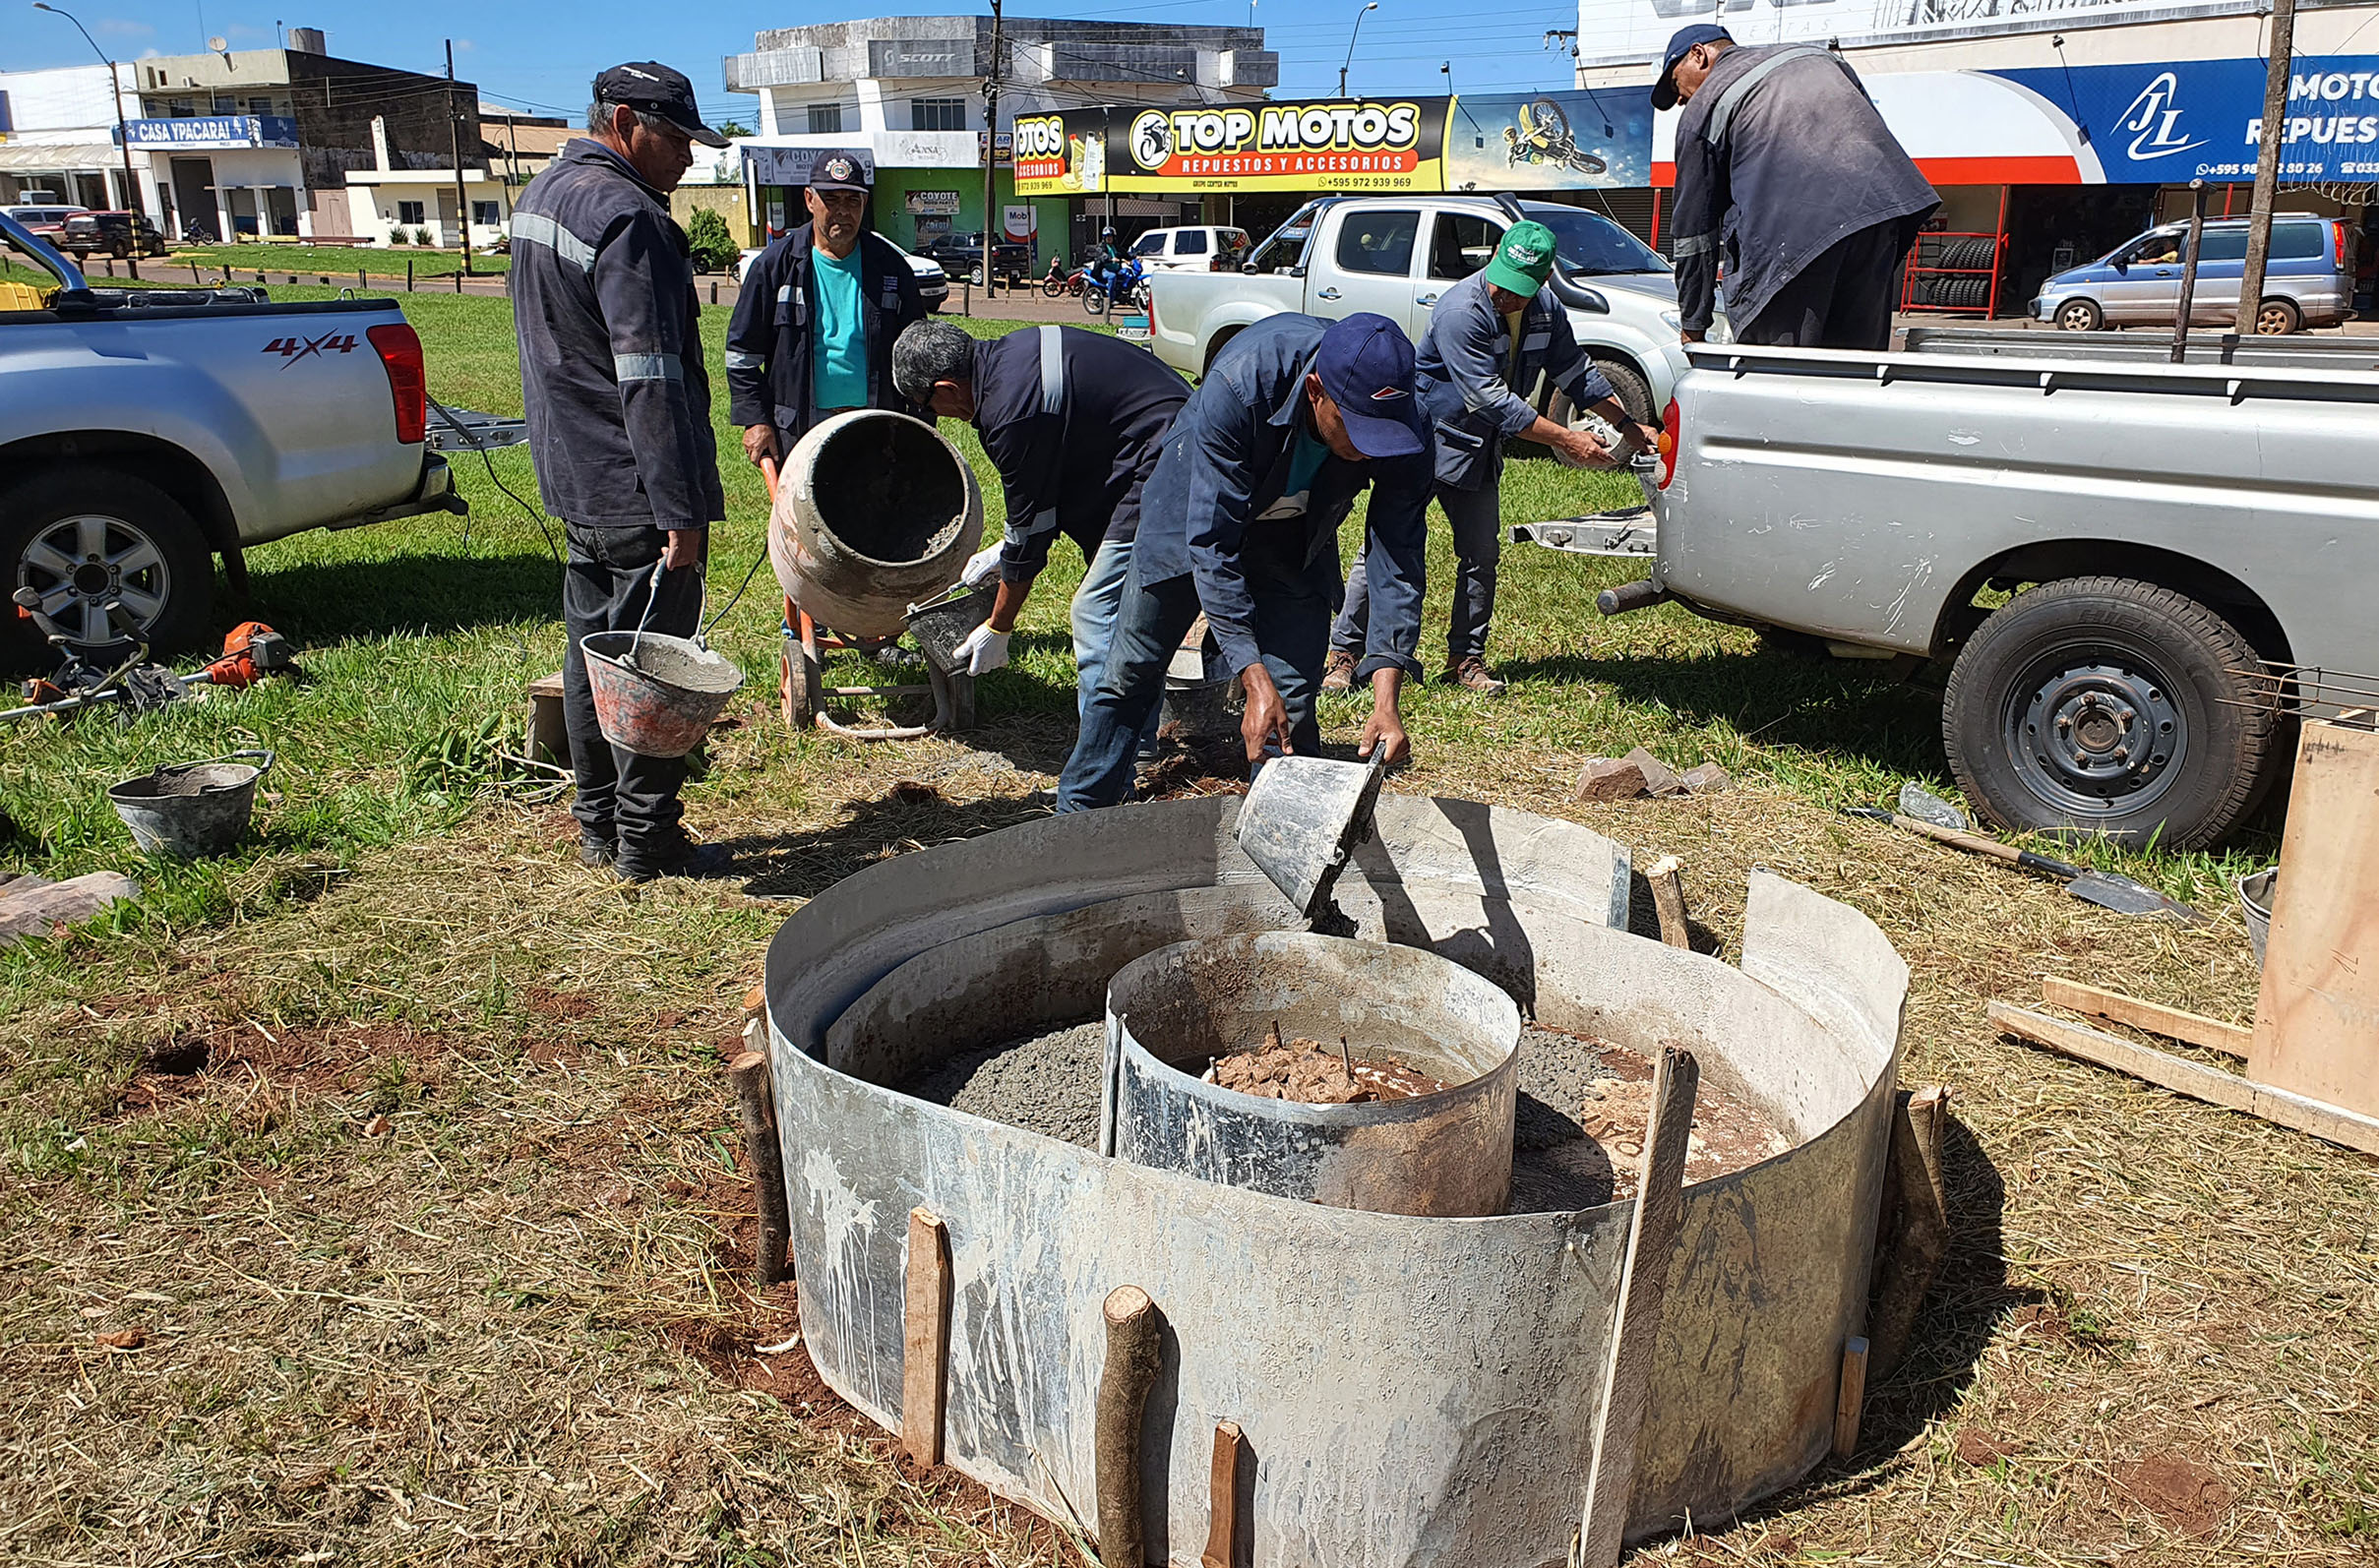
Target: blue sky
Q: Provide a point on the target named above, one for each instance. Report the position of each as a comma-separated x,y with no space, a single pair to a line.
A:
541,54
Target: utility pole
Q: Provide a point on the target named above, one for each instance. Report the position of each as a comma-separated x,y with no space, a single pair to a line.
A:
2267,163
990,147
454,134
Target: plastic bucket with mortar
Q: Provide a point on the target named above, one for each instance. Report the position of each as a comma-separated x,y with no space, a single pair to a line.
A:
194,809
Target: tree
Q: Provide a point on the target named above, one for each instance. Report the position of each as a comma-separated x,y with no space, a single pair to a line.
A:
733,128
714,247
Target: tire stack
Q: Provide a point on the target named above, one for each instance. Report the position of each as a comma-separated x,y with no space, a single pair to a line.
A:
1956,275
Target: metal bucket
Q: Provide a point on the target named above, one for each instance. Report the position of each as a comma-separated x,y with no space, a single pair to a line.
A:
2255,893
1304,817
1447,1152
663,705
191,811
941,625
875,512
1202,709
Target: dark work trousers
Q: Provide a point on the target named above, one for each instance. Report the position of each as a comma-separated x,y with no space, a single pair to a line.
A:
1843,299
1477,519
622,799
1292,630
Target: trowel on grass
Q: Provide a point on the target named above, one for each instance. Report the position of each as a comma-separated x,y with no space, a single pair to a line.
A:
1928,815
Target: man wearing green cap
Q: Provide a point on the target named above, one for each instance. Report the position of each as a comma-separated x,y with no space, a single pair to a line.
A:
1491,333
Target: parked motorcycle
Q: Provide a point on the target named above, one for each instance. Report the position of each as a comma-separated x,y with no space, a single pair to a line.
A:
1060,281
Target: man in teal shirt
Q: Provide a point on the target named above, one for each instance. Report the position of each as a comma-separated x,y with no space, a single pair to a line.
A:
812,334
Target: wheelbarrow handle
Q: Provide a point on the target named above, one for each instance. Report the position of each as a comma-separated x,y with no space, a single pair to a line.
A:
767,472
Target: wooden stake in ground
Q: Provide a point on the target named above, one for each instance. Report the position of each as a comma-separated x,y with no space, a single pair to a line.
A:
1133,1347
1920,1237
1222,1529
1668,878
1850,1404
1660,1206
925,1338
756,1108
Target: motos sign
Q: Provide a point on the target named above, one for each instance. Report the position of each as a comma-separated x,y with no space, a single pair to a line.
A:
1333,145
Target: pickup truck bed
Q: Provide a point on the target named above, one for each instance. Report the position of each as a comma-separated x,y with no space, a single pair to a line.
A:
2168,534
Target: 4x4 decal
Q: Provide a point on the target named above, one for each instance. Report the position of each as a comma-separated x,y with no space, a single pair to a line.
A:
294,349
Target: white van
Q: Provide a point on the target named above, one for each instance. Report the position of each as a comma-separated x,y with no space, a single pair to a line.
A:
1202,248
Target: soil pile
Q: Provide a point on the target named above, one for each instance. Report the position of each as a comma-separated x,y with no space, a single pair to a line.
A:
1314,1075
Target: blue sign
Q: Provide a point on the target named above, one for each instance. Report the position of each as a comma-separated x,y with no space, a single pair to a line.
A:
2166,123
222,131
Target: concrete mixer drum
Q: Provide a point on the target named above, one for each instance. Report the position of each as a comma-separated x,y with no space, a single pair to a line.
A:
875,512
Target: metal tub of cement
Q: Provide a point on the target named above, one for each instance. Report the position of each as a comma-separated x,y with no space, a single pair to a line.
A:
1415,1391
1447,1152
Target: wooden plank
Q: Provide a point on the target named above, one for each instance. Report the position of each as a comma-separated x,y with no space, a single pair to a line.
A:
2190,1027
2192,1078
1659,1208
1668,878
2317,1020
1919,1238
1223,1545
1850,1403
756,1108
925,1338
1134,1346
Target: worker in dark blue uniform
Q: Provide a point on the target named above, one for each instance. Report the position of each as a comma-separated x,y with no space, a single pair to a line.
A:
1492,338
1074,421
1294,420
1786,172
619,424
812,331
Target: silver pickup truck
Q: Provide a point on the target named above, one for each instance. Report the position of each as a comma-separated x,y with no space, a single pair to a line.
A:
2132,569
143,431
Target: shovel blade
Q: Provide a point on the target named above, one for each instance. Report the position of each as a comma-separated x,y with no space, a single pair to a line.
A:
2127,897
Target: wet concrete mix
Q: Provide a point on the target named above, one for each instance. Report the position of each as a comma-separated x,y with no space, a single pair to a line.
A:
1577,1138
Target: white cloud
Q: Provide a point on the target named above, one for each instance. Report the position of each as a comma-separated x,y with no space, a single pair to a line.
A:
124,28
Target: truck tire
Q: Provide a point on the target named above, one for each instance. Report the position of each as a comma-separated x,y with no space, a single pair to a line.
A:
77,533
1633,394
2055,700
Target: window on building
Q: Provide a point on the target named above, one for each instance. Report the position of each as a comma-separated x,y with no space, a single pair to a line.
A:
484,214
226,103
181,108
826,119
409,212
1379,242
936,114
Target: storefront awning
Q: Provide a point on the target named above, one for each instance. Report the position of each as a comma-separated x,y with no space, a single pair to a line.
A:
59,157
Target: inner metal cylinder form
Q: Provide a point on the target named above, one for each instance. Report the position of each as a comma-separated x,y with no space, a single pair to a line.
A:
1446,1154
875,512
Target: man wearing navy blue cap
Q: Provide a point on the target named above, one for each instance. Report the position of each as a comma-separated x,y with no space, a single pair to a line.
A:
1240,519
1783,162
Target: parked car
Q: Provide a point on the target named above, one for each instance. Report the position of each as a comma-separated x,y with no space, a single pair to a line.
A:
1199,248
933,284
49,222
961,255
2309,280
143,431
2102,548
1394,254
118,233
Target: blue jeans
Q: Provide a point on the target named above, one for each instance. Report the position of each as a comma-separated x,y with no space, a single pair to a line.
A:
1477,518
1095,604
1292,633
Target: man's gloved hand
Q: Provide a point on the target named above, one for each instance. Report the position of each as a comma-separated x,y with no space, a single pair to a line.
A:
981,567
983,651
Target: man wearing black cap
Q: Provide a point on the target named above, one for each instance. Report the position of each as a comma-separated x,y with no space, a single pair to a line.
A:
619,422
813,333
1782,160
1240,519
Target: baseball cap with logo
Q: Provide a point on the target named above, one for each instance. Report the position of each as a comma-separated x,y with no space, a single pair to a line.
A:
1366,364
1664,89
838,172
1524,260
644,84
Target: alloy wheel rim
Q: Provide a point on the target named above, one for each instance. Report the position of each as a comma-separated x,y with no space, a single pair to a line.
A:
77,564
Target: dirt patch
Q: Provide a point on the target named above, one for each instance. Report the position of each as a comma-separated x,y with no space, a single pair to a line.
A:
1980,1449
1584,1103
1192,765
2185,1496
193,1064
1314,1075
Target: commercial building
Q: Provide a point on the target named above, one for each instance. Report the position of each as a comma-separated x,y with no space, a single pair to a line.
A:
907,93
58,136
260,142
2057,131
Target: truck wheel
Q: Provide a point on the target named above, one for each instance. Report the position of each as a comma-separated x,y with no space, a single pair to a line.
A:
2104,705
80,534
2079,316
1633,394
2277,318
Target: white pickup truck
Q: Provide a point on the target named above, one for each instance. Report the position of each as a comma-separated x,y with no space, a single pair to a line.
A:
1395,254
143,431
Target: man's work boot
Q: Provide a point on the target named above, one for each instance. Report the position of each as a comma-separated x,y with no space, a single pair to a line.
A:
1338,671
1471,675
683,857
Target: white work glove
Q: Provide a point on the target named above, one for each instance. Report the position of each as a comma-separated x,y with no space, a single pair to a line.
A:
981,568
983,651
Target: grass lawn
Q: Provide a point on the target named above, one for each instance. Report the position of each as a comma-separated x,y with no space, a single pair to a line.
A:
336,260
444,1256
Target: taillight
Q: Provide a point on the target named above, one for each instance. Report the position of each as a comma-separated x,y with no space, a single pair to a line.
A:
2338,234
1152,313
1666,445
399,349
